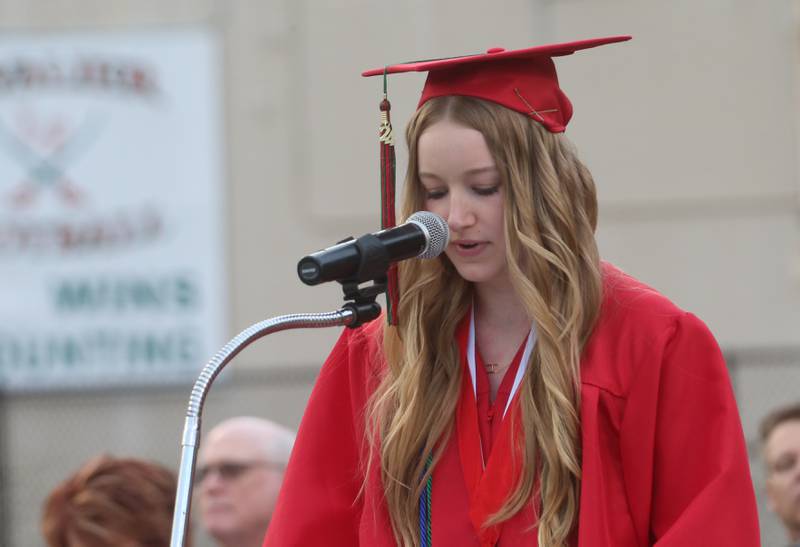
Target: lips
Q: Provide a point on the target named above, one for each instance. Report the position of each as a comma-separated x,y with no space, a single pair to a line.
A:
469,247
218,506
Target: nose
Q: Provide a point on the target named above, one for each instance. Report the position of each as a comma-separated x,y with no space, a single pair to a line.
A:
212,481
460,214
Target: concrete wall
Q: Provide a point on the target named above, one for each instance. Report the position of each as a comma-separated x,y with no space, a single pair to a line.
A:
690,131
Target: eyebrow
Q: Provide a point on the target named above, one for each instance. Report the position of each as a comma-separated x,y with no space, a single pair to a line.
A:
475,171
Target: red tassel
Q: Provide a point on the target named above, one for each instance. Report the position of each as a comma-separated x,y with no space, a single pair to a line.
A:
387,203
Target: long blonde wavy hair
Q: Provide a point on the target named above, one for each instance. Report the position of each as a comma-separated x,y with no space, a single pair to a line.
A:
550,219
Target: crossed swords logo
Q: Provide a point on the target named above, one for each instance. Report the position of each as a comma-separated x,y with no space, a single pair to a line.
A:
45,154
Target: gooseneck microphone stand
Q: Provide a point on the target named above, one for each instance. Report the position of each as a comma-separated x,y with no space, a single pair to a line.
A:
359,308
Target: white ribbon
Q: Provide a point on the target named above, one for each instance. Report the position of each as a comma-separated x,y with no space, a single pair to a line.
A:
523,365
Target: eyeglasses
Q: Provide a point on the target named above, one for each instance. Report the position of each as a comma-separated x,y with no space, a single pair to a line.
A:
230,471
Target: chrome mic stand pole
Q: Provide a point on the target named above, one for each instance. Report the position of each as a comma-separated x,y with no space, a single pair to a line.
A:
351,314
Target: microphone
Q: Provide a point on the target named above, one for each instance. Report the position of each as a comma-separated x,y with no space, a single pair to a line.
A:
423,235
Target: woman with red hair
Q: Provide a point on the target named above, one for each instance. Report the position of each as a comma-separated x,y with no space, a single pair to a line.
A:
120,502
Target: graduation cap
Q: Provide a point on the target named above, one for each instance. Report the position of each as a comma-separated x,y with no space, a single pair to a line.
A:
523,80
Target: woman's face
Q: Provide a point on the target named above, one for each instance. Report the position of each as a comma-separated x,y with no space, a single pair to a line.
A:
461,184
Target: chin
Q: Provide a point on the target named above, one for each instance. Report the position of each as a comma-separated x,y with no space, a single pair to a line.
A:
478,274
221,521
219,528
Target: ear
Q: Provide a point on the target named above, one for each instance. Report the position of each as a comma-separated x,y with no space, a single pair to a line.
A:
772,502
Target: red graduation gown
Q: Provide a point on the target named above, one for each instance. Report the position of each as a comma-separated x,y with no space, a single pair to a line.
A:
663,455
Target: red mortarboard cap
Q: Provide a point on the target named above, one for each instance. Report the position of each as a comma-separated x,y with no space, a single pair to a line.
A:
524,80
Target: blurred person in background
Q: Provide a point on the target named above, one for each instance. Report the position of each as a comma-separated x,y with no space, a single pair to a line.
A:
780,438
240,470
112,502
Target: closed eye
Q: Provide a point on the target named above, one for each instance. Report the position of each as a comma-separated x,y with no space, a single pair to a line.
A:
435,194
486,190
784,464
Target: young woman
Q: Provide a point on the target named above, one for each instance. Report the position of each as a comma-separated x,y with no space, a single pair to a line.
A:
531,393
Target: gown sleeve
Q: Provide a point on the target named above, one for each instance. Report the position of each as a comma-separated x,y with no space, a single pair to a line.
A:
319,502
701,492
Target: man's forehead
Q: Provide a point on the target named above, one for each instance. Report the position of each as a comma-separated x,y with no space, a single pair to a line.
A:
785,436
233,444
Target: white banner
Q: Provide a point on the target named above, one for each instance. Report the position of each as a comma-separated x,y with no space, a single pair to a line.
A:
111,208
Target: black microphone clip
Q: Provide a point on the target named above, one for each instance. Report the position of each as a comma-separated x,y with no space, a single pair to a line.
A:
375,258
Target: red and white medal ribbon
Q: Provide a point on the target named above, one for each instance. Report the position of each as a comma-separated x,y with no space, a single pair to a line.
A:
523,365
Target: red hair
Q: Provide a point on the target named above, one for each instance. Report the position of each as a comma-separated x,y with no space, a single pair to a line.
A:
111,501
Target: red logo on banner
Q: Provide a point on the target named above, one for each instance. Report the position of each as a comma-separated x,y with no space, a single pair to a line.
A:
44,148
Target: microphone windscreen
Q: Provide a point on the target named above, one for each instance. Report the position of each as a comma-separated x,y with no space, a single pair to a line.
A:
438,233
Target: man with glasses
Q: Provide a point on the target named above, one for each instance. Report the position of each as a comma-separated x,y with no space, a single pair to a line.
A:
239,473
780,437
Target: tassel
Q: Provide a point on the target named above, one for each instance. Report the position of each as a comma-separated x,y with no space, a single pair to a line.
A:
386,138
